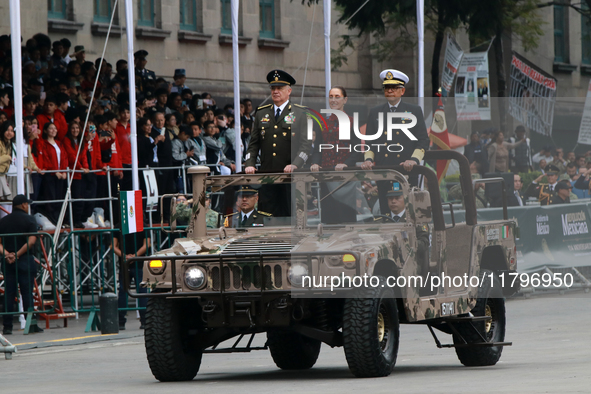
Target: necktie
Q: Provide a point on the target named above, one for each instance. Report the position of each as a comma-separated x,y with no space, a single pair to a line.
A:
392,109
243,223
519,200
551,188
396,218
277,114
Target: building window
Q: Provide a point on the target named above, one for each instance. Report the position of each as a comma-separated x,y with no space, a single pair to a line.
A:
226,16
585,37
103,10
188,19
267,18
145,12
56,9
561,54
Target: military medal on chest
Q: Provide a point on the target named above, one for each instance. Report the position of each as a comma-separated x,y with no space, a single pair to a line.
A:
289,119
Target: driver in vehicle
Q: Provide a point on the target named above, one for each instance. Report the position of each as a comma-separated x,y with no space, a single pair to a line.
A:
398,215
246,199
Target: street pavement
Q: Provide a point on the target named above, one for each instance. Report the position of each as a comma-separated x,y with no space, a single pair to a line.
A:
551,353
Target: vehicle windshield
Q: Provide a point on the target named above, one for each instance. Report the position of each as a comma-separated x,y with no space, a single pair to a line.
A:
307,199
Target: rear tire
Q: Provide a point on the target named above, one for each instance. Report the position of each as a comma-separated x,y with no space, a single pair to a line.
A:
371,333
291,350
171,356
490,303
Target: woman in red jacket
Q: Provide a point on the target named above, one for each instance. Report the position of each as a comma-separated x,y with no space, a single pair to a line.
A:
53,158
90,180
72,143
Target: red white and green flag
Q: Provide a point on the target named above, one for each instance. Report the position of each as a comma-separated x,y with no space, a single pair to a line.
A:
505,231
132,218
439,135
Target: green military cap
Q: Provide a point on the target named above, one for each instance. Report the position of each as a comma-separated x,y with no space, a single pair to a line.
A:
551,169
396,190
280,78
247,190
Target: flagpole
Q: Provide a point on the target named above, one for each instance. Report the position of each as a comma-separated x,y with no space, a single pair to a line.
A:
327,65
236,71
421,35
15,37
131,78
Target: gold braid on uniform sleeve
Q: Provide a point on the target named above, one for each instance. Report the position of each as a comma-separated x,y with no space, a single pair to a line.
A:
370,155
418,154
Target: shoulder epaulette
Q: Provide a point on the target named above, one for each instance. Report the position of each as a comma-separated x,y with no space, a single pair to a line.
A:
231,214
264,213
264,106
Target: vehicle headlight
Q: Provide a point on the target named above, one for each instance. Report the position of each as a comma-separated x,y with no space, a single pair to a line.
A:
347,259
296,272
333,260
195,278
156,267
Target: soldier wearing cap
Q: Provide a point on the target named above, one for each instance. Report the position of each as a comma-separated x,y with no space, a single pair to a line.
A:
279,134
180,76
246,200
397,212
562,195
141,73
394,83
544,192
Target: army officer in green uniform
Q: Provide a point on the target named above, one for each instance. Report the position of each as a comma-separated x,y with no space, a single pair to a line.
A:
397,213
544,192
248,216
279,136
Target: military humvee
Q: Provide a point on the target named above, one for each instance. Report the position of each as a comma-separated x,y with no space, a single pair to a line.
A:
222,283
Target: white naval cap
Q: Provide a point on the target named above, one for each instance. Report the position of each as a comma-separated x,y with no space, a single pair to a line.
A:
393,77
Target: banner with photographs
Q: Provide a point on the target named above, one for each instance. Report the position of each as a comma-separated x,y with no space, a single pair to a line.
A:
453,56
532,95
585,128
472,85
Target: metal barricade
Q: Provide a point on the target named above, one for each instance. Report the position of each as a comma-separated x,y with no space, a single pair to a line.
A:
94,267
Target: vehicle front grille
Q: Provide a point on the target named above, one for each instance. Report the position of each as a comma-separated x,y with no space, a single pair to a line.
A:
248,277
262,244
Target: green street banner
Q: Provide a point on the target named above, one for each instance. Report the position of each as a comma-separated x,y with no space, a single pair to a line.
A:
553,236
132,218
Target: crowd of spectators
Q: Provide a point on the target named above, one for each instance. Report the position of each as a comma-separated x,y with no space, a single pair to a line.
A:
175,126
491,153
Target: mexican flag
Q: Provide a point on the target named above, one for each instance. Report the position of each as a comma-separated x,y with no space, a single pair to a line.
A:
439,136
132,215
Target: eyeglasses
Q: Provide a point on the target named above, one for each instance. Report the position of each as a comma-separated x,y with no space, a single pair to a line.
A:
393,87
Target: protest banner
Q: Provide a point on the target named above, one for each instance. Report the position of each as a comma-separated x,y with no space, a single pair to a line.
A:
453,56
532,95
585,128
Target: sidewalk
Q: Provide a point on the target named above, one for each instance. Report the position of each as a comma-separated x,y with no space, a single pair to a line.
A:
74,334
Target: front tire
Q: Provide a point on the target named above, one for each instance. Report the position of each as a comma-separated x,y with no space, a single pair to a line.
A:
291,350
490,302
171,356
371,333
